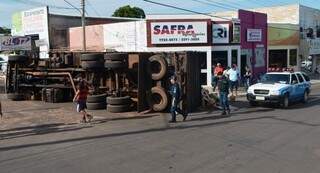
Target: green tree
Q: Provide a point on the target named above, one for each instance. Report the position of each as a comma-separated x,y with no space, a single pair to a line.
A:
5,31
128,11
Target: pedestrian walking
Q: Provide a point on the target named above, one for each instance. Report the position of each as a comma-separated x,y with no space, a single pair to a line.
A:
223,88
247,77
176,98
226,72
216,70
81,98
233,74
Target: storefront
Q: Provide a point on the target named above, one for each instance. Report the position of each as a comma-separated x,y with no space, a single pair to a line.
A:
224,41
283,41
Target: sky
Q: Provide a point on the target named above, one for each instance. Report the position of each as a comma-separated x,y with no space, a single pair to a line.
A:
105,8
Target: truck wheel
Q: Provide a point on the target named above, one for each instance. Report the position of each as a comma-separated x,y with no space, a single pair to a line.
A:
157,67
305,97
96,106
96,98
285,101
116,56
91,65
158,99
115,64
17,58
118,108
119,100
15,97
92,57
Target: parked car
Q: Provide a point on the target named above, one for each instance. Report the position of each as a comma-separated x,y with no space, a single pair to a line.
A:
280,87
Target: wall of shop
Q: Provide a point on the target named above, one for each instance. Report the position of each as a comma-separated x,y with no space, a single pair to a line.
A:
254,44
94,38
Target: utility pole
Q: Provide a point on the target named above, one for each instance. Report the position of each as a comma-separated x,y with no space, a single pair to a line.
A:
83,20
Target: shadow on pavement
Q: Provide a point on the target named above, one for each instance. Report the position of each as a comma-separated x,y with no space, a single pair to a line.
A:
38,130
129,133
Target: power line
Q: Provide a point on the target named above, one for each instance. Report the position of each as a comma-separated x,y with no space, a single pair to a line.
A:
35,3
205,14
74,7
214,5
220,3
92,7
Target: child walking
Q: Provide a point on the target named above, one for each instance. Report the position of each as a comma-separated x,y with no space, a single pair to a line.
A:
81,98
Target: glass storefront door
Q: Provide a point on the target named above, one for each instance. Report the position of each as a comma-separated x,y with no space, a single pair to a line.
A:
220,57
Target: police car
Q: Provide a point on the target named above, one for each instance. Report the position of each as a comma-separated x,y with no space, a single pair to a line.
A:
281,88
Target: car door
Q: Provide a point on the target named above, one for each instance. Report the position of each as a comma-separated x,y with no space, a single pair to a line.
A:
295,87
302,85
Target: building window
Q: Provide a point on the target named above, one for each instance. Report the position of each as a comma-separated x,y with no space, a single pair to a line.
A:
293,57
234,55
310,33
220,57
278,58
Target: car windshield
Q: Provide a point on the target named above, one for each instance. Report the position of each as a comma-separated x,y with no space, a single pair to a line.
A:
275,78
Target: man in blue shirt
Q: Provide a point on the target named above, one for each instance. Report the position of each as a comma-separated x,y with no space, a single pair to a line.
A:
223,88
233,74
175,94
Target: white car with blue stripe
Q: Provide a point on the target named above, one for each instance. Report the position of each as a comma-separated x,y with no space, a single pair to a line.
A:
280,87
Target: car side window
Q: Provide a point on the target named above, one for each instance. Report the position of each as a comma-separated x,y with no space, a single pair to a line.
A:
294,79
300,78
306,77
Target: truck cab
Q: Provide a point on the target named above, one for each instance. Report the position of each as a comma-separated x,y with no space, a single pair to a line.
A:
280,88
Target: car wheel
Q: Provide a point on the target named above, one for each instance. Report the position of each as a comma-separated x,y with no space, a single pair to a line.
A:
305,97
116,56
17,58
115,65
92,57
119,100
118,108
15,96
96,98
285,102
96,106
253,103
96,65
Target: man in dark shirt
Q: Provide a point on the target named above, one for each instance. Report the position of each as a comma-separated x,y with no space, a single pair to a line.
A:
223,88
175,94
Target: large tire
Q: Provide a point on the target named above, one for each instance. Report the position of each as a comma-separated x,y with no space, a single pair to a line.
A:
119,100
96,98
158,99
305,97
17,58
115,65
118,108
285,101
253,103
96,65
15,97
96,106
116,56
92,57
157,67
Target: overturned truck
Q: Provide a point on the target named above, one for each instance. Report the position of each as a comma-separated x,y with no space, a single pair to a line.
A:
120,82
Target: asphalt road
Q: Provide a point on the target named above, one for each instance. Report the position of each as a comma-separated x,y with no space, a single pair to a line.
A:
253,140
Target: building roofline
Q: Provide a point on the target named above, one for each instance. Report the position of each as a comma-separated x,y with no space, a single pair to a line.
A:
89,17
